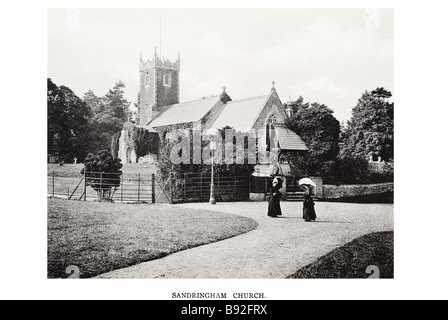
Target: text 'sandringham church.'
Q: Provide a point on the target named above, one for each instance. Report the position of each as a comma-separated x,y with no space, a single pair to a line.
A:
159,110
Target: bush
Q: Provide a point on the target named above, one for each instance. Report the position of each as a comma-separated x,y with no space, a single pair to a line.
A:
348,169
382,172
103,173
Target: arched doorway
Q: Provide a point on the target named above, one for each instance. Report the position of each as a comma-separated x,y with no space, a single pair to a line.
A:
130,155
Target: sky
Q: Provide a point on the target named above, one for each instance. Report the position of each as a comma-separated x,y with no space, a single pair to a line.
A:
329,56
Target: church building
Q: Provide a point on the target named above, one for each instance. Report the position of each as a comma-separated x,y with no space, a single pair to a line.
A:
159,110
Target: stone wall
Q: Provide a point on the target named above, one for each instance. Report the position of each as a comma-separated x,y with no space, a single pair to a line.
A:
273,105
166,95
147,93
354,190
149,158
319,190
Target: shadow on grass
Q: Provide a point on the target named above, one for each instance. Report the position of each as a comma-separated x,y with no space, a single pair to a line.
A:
352,260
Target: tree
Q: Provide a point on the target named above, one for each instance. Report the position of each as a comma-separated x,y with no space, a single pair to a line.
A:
116,104
109,115
68,123
103,173
97,104
370,131
320,131
103,127
298,104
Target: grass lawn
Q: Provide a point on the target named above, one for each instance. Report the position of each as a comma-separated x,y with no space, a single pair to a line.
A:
101,237
352,260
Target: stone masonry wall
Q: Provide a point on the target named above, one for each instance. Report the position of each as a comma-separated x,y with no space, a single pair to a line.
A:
146,95
166,96
274,104
353,190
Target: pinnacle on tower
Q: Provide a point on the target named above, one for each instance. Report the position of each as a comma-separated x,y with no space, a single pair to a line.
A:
155,52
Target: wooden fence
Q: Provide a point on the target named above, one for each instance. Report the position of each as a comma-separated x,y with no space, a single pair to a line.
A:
131,188
136,188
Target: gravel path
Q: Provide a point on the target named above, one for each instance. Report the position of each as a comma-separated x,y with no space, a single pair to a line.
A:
276,249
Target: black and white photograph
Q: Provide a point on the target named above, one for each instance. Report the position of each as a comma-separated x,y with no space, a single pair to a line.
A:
220,143
205,153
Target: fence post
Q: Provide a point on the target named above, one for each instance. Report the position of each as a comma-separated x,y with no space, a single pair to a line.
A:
138,192
171,188
265,188
250,176
218,190
101,186
153,188
235,195
122,182
185,187
201,186
85,183
235,183
53,183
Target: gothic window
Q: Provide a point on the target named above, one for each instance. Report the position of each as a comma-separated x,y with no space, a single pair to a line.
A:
167,80
270,132
147,80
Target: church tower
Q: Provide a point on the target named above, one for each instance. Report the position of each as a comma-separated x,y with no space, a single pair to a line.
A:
159,87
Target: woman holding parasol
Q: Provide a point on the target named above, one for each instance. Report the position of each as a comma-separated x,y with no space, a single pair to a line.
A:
274,209
309,213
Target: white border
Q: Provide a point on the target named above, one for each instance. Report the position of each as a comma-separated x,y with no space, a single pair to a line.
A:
420,217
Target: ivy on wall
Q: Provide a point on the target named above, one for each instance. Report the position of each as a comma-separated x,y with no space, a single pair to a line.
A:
140,139
115,144
166,168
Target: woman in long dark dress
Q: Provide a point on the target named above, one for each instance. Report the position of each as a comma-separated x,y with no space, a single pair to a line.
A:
274,209
309,213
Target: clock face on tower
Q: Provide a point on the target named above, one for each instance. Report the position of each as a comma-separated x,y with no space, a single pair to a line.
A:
166,80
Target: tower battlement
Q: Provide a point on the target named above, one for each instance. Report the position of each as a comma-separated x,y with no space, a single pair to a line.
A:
156,62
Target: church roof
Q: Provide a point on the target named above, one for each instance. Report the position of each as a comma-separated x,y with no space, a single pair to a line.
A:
240,114
150,129
184,112
289,140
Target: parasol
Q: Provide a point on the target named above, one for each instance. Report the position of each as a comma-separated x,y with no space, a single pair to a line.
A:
307,181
